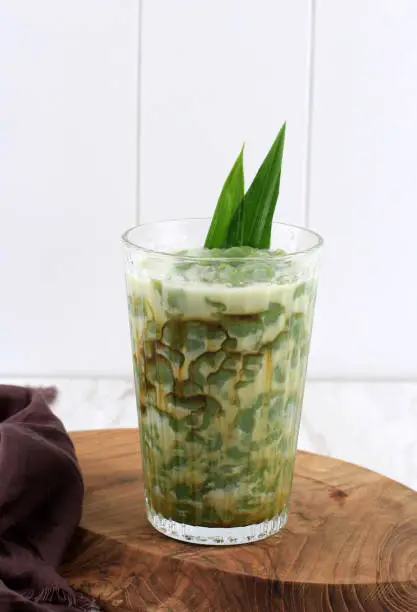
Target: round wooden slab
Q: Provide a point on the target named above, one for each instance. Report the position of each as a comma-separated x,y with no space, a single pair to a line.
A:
350,544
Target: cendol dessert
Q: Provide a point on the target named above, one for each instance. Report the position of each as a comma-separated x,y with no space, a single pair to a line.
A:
220,338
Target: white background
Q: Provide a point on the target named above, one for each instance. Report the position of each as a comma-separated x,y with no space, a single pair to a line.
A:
77,148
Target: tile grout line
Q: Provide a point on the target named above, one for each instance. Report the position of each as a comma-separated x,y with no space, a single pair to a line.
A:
310,112
139,113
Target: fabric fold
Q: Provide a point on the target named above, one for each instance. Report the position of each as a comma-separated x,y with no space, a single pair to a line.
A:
41,495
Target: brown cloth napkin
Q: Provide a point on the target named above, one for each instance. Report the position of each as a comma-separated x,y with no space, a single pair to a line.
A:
41,494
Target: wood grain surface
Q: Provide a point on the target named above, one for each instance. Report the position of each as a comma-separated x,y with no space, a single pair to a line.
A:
350,544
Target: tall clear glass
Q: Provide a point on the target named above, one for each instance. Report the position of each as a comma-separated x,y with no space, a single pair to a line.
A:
220,348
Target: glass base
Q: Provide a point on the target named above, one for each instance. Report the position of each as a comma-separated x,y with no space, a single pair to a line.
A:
218,536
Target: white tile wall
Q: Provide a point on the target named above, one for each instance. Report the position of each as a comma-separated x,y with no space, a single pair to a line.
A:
213,74
68,132
68,94
364,187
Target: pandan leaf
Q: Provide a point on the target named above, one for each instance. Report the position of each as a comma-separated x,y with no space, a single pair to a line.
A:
251,223
229,200
261,198
235,234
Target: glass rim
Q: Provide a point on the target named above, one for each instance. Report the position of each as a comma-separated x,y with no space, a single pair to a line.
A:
127,242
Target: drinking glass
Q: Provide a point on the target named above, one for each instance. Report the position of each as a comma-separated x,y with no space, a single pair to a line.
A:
220,344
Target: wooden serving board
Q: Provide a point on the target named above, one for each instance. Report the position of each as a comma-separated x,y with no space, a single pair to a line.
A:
350,544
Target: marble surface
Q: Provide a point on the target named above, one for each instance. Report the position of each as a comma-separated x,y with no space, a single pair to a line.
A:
373,424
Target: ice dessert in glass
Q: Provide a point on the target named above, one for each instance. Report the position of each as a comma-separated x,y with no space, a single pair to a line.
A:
220,342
